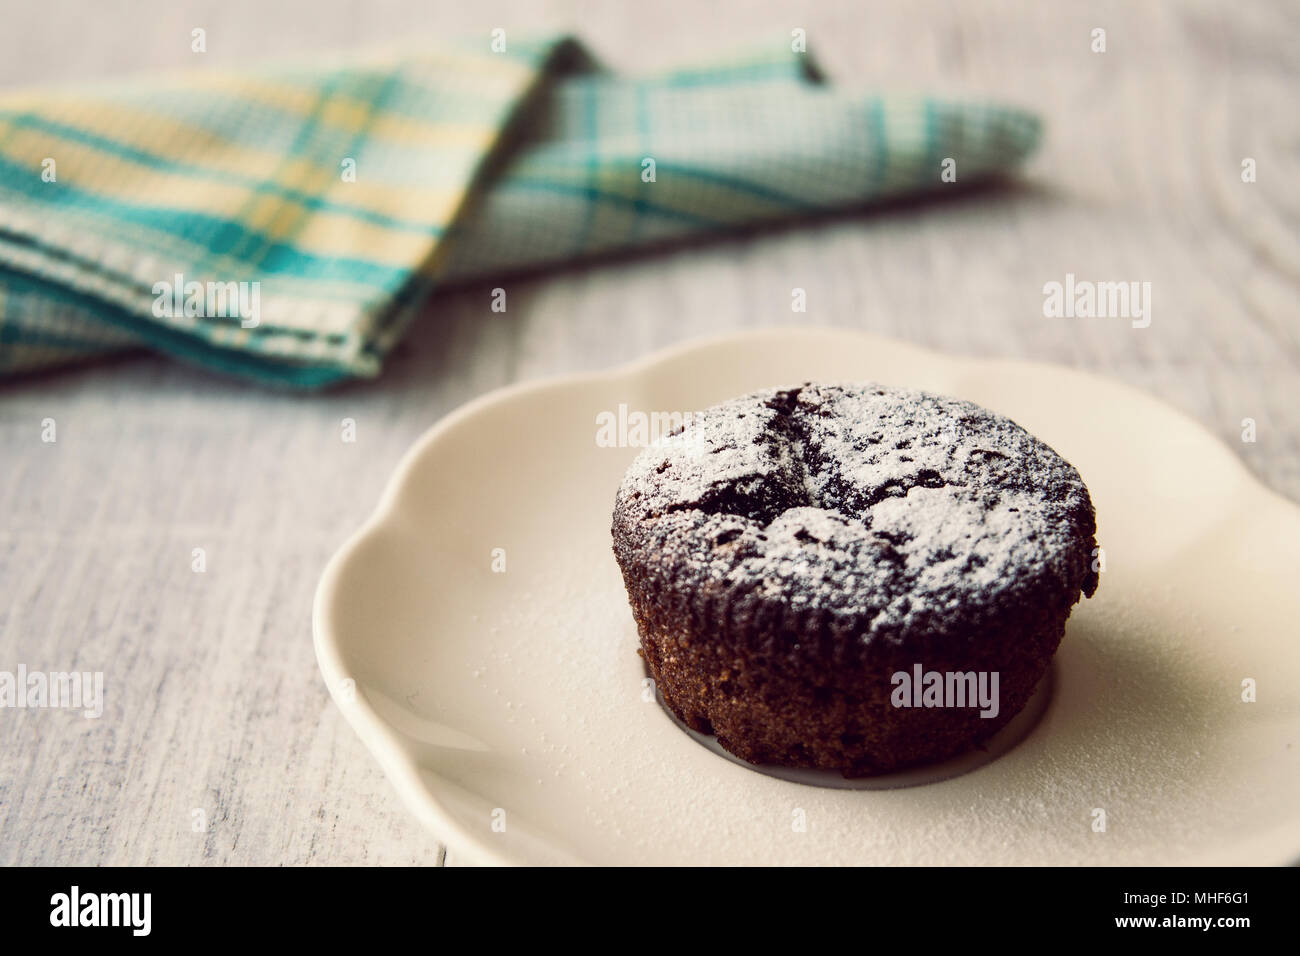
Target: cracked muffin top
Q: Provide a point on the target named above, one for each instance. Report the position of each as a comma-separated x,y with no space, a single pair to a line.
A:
908,511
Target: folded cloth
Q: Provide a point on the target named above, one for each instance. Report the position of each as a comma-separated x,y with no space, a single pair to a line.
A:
286,225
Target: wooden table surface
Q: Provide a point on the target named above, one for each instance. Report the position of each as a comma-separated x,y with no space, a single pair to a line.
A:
213,702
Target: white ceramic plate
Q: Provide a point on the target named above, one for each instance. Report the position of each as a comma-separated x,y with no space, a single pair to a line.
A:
509,708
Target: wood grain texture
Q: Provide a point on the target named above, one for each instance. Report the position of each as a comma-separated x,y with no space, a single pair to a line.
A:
213,697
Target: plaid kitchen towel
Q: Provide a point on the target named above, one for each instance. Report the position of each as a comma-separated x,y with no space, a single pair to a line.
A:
286,224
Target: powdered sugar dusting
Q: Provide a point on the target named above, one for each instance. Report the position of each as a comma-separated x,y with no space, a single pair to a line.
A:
848,498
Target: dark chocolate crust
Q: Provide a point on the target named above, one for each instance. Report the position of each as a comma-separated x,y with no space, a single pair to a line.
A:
785,553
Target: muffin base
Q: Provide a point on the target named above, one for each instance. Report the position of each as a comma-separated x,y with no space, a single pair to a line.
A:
765,714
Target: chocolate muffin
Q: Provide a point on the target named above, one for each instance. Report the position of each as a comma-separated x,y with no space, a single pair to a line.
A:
801,562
